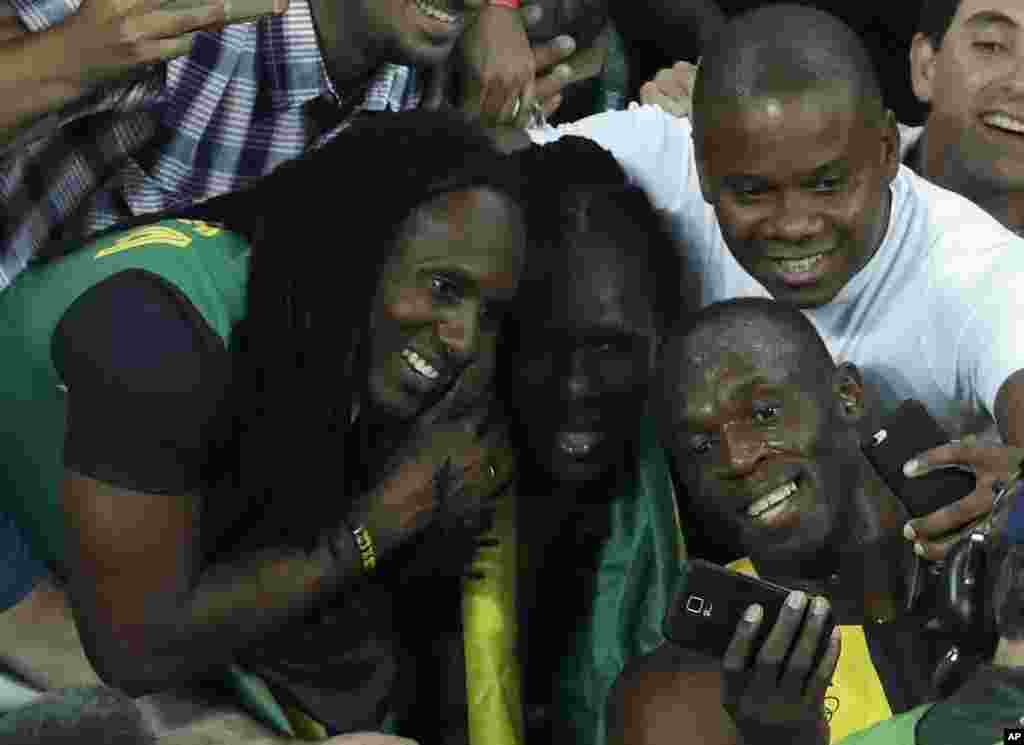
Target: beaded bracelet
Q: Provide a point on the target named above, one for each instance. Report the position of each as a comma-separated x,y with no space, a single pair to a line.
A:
367,550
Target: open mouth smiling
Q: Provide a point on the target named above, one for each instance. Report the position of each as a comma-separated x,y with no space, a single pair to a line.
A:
1004,122
774,503
439,11
419,365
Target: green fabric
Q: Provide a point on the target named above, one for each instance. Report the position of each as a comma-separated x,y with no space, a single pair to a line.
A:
258,699
898,730
977,713
210,271
638,568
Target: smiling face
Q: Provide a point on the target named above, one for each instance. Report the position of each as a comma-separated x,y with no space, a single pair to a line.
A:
440,300
368,32
974,85
757,447
800,184
587,349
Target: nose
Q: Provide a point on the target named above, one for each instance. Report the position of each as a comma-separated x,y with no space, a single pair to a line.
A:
795,221
577,381
1013,81
459,330
742,448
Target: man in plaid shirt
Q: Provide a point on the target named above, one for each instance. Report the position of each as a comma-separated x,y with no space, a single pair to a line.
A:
83,147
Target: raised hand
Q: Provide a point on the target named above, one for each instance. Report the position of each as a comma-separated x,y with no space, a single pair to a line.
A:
935,534
108,39
671,89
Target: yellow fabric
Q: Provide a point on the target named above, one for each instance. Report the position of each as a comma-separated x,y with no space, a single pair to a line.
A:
306,728
489,636
856,699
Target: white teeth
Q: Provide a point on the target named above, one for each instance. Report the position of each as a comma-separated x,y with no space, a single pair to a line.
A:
1005,121
434,12
796,266
578,444
772,499
419,364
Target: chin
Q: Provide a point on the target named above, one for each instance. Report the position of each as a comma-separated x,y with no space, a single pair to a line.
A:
394,403
572,472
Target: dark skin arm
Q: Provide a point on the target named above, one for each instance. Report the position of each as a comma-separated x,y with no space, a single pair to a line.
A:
664,693
751,697
148,617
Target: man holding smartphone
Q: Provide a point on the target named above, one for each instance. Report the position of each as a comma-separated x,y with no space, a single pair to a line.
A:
788,185
765,432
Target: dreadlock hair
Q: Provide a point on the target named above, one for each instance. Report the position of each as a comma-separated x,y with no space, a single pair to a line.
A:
577,187
322,228
935,19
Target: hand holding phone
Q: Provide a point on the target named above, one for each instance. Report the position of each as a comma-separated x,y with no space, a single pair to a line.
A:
777,693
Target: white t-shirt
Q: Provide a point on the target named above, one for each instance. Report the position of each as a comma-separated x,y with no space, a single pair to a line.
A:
934,314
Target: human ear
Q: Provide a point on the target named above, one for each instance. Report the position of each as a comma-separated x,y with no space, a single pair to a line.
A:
848,388
922,67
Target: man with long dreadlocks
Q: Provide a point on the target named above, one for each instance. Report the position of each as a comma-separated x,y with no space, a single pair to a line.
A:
248,438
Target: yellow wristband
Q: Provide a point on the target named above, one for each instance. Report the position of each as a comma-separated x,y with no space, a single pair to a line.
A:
367,551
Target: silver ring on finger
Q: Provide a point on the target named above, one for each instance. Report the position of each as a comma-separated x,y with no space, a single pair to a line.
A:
516,106
491,471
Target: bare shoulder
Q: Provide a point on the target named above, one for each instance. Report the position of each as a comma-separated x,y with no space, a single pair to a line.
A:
667,692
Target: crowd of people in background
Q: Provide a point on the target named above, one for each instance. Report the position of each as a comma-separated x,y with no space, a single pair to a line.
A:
381,366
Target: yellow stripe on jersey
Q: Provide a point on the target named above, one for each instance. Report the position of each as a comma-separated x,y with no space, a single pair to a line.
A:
145,236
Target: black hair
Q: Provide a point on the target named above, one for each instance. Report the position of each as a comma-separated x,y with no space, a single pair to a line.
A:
788,336
576,187
785,49
321,230
935,19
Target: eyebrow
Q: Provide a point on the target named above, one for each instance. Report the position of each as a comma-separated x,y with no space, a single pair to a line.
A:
727,391
990,18
738,181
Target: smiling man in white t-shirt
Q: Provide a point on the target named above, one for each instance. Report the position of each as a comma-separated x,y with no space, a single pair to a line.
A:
788,185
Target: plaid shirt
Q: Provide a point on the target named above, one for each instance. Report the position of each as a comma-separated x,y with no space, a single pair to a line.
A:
201,125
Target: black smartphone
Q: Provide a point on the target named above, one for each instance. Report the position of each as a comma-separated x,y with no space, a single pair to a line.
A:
709,604
905,433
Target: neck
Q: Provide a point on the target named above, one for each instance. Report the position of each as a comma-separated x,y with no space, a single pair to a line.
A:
936,165
345,43
867,572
